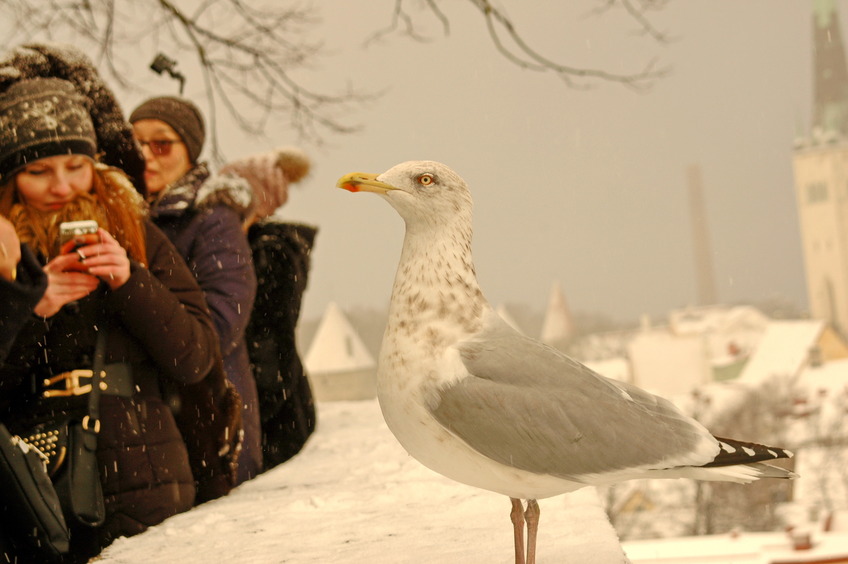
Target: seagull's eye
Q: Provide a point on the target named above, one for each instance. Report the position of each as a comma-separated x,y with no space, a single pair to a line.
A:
426,179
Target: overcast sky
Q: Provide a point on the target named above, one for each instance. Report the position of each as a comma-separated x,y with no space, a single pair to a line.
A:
585,187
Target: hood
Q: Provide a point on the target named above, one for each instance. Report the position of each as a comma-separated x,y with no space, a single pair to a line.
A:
199,190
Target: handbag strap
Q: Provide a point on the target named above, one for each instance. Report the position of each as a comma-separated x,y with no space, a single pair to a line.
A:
91,422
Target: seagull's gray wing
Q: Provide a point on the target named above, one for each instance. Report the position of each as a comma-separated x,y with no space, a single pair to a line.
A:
529,406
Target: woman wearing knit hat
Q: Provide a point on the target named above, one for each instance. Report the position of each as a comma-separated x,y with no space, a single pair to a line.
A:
281,257
202,214
128,280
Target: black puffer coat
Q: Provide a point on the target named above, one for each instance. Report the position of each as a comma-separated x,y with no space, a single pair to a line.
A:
281,257
158,323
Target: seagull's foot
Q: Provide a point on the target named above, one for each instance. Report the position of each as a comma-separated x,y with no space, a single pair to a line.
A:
517,518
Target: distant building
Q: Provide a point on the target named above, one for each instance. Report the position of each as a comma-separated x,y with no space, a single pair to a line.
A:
700,345
614,368
558,327
786,353
338,362
821,175
668,364
730,333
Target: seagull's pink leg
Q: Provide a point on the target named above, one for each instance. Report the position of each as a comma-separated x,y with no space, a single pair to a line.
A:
517,518
532,517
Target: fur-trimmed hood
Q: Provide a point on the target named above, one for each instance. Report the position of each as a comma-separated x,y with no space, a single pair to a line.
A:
200,190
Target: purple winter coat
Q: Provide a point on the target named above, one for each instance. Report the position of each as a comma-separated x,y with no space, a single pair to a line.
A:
202,215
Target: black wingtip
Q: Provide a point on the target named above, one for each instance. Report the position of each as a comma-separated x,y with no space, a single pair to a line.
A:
739,452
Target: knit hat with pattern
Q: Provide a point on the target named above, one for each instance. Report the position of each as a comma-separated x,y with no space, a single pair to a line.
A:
42,117
181,114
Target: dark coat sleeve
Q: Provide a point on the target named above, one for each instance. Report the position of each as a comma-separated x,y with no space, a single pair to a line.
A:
163,307
223,265
19,298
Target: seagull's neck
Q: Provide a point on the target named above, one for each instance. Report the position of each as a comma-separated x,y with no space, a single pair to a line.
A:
436,282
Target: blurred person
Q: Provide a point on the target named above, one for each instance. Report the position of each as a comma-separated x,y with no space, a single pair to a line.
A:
281,257
131,282
202,214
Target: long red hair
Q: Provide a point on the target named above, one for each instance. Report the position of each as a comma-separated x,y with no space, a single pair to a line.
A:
113,202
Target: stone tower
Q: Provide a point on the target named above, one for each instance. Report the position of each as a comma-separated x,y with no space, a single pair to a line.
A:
705,285
820,162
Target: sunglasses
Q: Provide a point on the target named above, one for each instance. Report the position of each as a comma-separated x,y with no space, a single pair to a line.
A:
159,147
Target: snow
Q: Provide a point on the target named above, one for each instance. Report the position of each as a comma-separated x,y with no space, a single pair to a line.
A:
353,495
741,548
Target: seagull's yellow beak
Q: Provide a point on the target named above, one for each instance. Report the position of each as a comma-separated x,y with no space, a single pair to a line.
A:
362,181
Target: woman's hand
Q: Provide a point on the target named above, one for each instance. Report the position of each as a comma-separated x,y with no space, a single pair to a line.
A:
64,285
106,260
74,275
10,249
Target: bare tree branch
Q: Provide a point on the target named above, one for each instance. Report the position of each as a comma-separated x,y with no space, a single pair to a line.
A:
399,16
496,20
249,57
638,14
245,55
511,43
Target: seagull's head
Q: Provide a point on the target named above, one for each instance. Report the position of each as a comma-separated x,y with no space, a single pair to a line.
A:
418,190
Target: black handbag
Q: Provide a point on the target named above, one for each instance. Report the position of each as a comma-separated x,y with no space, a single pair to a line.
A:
76,476
53,474
29,503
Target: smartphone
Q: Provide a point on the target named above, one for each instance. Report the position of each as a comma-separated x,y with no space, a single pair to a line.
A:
70,232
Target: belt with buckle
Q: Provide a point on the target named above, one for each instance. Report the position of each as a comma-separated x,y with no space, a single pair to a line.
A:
115,380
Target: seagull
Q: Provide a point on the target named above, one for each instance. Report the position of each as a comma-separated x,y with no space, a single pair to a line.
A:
473,399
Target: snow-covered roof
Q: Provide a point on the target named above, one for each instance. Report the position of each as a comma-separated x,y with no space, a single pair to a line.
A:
709,319
732,332
336,346
782,351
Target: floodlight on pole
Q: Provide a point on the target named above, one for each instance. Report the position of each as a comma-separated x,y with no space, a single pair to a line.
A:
163,63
